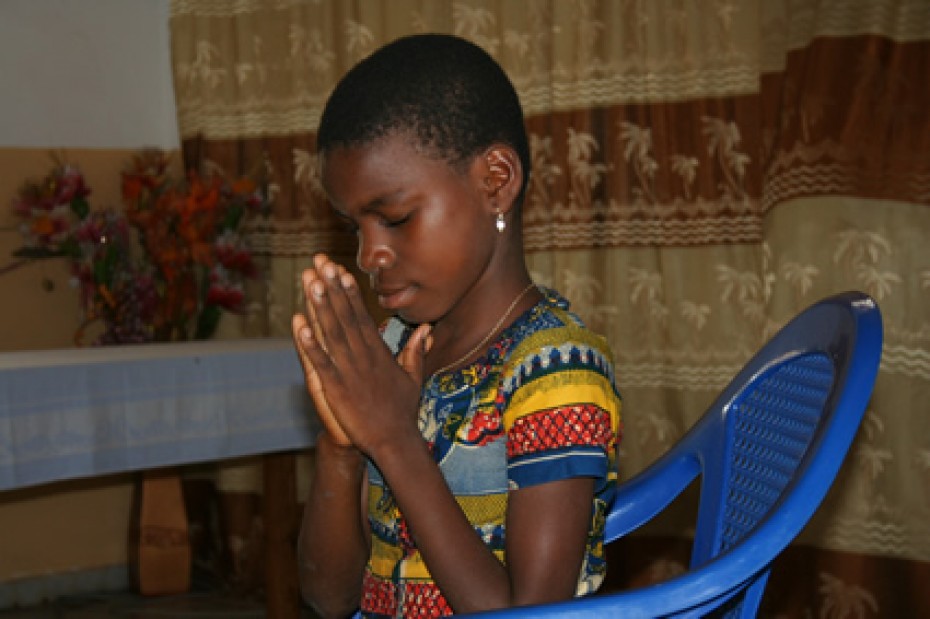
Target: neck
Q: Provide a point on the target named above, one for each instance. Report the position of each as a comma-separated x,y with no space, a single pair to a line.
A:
459,342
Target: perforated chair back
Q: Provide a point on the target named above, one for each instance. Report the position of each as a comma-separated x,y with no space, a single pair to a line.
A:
752,449
767,450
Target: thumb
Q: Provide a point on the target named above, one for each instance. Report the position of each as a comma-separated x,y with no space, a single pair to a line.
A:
411,357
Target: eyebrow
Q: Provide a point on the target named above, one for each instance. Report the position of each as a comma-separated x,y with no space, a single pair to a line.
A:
372,206
382,201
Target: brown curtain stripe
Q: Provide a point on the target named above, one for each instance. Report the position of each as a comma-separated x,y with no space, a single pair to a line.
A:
679,173
849,116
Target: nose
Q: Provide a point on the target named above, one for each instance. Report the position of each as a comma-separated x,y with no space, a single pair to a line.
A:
374,254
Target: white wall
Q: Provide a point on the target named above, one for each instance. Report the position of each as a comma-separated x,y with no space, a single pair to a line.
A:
86,73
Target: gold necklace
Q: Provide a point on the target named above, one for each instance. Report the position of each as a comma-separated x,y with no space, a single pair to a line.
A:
487,337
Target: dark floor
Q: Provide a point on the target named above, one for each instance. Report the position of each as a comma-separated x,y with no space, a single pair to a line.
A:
195,605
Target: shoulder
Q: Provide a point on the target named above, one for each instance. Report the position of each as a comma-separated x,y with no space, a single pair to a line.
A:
558,399
557,361
553,336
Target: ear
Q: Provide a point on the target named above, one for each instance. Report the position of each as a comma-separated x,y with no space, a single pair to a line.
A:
503,176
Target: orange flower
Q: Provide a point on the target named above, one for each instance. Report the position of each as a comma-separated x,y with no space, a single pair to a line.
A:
202,253
180,229
132,187
201,197
43,226
244,186
107,295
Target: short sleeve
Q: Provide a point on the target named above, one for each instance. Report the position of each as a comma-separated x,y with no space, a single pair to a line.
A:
561,409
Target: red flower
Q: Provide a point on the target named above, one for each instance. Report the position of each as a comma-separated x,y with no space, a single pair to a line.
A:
194,260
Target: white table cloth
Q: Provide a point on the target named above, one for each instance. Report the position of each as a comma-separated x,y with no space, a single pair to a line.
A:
85,412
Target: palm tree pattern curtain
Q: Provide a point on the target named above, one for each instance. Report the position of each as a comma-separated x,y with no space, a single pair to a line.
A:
702,170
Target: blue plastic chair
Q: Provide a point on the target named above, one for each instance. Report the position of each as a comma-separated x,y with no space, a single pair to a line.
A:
767,451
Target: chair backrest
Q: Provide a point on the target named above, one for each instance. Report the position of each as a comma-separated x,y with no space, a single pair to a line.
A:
753,447
767,450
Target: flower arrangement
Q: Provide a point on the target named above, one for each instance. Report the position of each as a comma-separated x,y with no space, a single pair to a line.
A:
194,258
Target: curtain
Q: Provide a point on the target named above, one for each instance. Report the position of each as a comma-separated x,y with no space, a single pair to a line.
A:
702,171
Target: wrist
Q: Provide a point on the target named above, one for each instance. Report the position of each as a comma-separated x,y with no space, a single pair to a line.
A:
328,448
401,453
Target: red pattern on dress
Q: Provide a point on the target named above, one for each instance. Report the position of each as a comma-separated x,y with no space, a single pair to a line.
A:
380,597
580,424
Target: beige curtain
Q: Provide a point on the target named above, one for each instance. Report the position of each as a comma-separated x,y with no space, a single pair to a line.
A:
703,169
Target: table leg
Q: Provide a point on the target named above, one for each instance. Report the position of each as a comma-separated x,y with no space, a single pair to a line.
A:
160,550
282,519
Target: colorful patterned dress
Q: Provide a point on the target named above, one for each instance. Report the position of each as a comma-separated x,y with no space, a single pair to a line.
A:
541,405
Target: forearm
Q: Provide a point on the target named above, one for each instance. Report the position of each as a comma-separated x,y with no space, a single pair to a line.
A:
333,545
469,575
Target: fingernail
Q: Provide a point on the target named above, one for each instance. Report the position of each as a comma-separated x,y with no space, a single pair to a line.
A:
329,270
317,288
306,335
347,281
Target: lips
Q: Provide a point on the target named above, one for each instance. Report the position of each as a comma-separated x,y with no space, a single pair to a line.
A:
393,298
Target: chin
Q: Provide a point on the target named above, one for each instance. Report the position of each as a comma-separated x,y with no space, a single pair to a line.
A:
415,316
411,317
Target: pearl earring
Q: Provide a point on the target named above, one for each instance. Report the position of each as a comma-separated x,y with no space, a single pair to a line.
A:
501,224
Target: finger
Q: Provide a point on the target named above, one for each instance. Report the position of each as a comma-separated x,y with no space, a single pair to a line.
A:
307,278
412,356
322,291
298,324
316,363
366,325
335,277
319,260
304,341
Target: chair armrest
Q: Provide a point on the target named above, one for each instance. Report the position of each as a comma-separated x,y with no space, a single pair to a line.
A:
649,492
688,596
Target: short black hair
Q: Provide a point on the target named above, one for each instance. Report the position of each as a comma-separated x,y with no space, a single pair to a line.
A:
442,91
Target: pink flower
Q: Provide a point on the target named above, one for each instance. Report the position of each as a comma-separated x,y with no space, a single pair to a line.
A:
224,292
70,185
233,255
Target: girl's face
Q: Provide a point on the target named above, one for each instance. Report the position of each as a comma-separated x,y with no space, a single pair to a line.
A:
426,233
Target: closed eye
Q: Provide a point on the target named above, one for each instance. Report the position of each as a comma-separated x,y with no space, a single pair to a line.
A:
395,222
